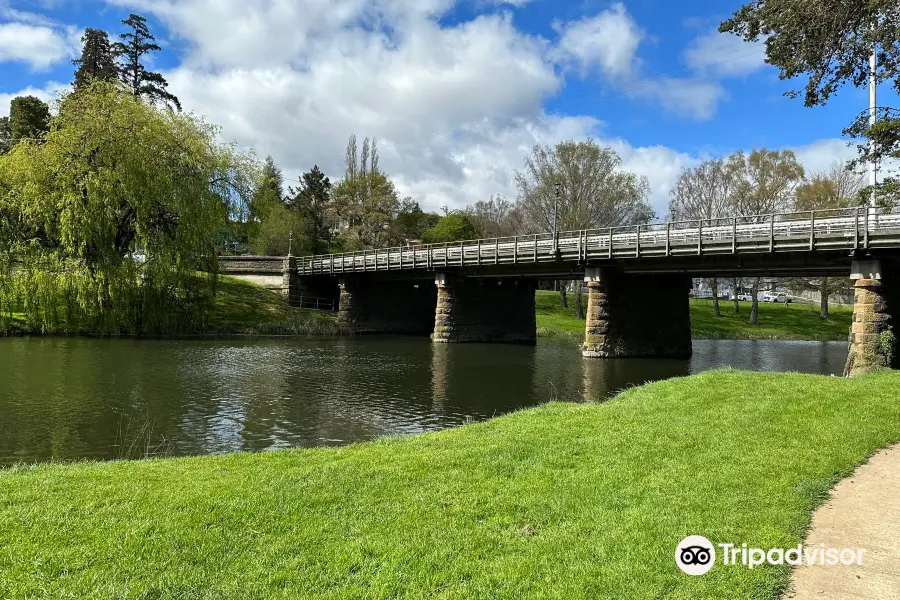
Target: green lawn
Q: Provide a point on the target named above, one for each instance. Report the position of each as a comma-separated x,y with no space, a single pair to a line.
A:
794,322
242,308
563,501
245,308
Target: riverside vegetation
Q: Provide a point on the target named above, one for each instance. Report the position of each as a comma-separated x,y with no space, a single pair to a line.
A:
561,501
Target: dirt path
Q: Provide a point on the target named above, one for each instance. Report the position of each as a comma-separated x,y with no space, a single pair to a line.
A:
863,512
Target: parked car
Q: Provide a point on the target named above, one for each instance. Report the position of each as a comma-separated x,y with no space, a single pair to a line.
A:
775,297
744,297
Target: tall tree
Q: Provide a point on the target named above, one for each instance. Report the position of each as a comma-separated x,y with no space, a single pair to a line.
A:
838,187
266,221
97,61
135,45
365,200
102,193
704,192
313,201
829,42
5,135
412,222
29,119
594,192
495,217
453,227
765,184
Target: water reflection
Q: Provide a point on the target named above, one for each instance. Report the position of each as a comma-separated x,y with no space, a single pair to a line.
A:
104,399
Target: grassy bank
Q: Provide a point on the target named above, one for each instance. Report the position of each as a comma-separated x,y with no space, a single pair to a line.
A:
794,322
564,501
240,308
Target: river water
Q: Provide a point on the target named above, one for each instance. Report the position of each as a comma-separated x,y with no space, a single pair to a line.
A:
100,399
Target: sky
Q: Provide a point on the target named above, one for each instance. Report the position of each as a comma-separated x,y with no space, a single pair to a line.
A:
456,92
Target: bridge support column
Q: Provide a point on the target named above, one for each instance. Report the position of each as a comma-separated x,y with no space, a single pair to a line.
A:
872,340
399,307
290,287
484,310
637,315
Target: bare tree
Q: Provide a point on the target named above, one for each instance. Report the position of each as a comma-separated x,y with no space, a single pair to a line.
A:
704,192
766,180
594,192
496,217
836,187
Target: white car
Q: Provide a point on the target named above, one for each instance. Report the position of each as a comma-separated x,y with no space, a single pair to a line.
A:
743,297
775,297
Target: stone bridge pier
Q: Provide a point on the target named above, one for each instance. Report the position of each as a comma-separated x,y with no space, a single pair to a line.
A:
873,332
637,315
484,310
369,305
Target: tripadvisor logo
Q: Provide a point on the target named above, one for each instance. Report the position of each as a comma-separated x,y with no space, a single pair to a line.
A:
696,555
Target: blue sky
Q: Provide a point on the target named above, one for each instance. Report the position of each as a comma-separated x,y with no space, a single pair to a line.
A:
456,92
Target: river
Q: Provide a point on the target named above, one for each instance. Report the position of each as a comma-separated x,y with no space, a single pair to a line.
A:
101,399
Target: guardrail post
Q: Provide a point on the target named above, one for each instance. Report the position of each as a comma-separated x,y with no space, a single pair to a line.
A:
462,255
535,248
812,230
497,251
733,235
637,243
866,232
610,243
479,253
856,229
699,237
771,233
668,238
516,250
331,262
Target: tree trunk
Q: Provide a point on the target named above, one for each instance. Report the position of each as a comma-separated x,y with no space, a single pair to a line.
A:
579,301
823,302
754,310
735,287
564,301
714,284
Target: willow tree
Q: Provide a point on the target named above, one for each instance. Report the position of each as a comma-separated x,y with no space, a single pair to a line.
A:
113,220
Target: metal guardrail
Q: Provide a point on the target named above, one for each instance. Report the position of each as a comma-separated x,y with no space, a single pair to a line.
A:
847,229
314,303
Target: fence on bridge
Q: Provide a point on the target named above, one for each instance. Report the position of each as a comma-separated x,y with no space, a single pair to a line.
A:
850,229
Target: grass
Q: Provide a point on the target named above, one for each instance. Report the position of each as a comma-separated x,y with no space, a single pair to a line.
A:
794,322
243,308
563,501
248,309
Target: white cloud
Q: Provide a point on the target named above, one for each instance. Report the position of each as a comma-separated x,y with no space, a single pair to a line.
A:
607,41
725,55
37,45
48,94
693,98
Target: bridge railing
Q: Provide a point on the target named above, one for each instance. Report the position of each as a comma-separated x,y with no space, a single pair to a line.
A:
831,229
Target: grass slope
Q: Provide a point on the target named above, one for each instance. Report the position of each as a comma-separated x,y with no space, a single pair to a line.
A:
794,322
242,308
564,501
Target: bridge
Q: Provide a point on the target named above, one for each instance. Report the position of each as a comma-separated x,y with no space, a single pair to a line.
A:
638,279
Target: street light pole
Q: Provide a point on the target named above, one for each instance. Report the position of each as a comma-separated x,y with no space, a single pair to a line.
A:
873,105
291,244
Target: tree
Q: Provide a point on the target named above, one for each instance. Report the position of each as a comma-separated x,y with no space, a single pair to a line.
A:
5,135
29,119
126,216
142,83
836,188
594,192
365,200
97,59
765,184
412,222
829,42
704,192
496,217
312,202
453,227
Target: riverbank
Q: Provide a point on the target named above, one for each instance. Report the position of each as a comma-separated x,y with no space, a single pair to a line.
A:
561,501
776,322
240,309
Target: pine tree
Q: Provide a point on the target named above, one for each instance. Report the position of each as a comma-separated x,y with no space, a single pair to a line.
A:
29,119
134,46
312,201
97,59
